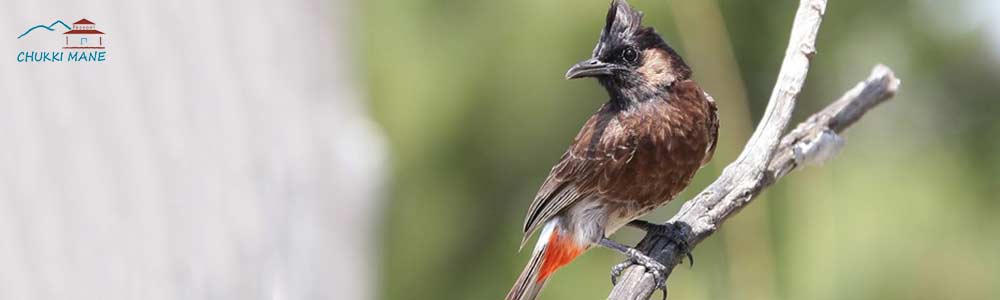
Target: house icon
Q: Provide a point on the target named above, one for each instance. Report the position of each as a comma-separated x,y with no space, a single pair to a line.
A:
84,35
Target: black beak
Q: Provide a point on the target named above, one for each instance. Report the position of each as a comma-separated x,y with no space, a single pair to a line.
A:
589,68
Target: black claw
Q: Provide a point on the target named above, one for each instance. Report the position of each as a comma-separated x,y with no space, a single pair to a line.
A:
683,245
676,235
687,252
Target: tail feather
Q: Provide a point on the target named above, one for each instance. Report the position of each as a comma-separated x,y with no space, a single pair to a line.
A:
527,287
554,250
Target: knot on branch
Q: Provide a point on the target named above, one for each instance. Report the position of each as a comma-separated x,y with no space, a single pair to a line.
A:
818,150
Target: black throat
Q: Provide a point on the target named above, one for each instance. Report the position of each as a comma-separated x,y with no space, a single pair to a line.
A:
626,92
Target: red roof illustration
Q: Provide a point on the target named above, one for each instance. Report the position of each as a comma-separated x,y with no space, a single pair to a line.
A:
83,32
83,26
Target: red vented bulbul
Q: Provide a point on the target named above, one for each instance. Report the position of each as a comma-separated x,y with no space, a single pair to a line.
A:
635,154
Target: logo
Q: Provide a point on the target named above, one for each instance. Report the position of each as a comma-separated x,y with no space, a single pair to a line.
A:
80,43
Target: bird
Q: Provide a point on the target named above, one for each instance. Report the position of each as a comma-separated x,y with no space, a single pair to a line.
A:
637,152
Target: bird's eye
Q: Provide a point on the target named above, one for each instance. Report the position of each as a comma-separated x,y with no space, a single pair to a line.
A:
630,55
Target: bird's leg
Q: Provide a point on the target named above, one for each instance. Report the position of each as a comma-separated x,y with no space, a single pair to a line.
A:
670,231
636,257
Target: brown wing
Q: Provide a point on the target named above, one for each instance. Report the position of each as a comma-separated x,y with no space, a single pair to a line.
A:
601,150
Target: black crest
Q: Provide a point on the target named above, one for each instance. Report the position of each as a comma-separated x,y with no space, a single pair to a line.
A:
621,23
622,20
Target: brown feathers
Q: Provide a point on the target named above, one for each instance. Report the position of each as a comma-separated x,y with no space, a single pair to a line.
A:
641,156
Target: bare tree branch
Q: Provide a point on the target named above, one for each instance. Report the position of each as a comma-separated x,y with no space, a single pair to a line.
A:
765,159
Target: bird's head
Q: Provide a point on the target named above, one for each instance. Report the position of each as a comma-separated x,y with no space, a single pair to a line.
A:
631,60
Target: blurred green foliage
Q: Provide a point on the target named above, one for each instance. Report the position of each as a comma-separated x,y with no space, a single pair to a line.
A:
472,97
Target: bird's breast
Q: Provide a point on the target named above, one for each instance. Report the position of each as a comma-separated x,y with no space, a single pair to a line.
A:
646,155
